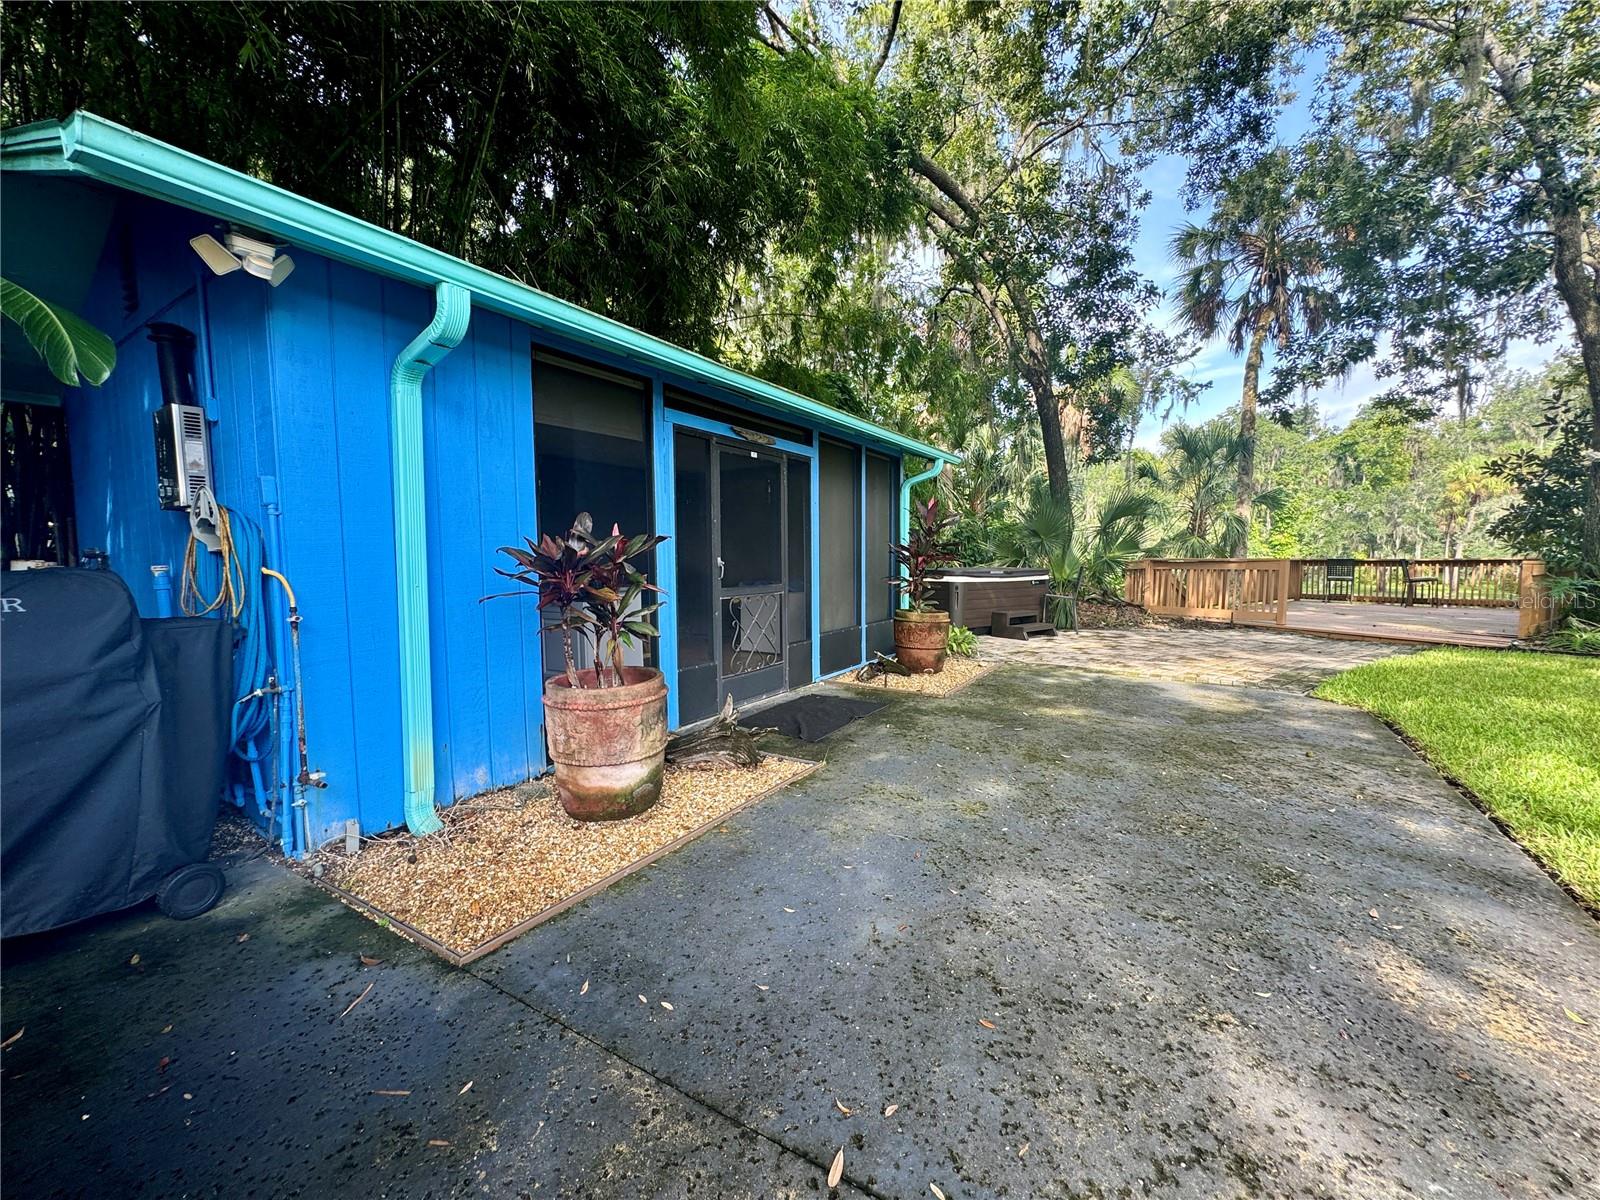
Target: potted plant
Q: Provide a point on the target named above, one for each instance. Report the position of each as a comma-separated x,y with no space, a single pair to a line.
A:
606,724
920,630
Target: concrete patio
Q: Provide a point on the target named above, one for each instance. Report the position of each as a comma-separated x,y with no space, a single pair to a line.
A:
1230,941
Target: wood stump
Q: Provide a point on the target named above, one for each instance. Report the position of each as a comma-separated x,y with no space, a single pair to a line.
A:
724,741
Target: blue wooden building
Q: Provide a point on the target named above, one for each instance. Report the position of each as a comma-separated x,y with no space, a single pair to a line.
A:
387,416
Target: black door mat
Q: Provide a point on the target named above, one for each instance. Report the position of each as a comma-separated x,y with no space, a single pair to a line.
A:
811,718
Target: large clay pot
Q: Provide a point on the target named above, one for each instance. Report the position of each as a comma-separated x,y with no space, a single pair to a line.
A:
920,639
609,744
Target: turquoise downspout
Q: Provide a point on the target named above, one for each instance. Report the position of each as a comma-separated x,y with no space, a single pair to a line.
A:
452,311
905,507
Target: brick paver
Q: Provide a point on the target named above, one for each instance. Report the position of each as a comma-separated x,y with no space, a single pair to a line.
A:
1241,657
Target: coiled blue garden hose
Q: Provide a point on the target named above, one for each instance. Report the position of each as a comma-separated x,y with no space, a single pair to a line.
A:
232,579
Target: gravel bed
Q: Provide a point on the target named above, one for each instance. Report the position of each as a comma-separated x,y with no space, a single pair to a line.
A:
508,855
957,673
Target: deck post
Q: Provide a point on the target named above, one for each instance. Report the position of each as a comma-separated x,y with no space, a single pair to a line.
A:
1535,613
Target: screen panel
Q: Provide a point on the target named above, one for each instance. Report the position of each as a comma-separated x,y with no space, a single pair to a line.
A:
839,526
591,454
799,571
751,510
693,590
881,506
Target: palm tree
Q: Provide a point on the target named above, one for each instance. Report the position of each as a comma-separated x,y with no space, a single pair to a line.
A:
996,464
1468,485
1082,558
1196,476
1254,268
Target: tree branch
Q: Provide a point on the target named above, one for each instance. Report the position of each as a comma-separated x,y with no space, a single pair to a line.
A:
946,183
1424,21
778,23
888,44
943,211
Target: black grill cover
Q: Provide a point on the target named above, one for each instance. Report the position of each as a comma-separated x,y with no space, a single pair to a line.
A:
113,744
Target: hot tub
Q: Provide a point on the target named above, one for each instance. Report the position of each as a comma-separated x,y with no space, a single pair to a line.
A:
971,595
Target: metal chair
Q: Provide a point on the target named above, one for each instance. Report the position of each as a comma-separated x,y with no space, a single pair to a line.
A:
1413,581
1341,574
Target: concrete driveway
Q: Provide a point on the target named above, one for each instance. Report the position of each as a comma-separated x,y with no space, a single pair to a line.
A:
1230,942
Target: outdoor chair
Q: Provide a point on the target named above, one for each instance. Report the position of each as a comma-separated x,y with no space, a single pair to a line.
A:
1341,578
1431,585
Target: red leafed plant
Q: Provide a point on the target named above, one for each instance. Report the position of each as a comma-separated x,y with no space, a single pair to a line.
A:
927,546
595,586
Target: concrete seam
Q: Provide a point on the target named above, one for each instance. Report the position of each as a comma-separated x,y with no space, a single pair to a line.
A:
673,1087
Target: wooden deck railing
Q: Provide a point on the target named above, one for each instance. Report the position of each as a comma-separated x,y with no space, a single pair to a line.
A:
1257,591
1246,591
1473,582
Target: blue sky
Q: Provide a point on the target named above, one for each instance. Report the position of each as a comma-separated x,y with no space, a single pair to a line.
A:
1215,364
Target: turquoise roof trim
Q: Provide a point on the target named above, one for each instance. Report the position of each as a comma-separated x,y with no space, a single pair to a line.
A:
94,148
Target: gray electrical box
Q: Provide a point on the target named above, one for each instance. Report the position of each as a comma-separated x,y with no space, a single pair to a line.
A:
183,454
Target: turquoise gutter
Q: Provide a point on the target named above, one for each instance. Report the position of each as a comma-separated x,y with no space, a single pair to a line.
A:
939,461
95,148
452,311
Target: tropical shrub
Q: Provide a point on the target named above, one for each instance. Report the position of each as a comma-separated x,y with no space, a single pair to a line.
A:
1083,559
595,586
1198,477
927,546
961,642
1578,636
72,348
1546,518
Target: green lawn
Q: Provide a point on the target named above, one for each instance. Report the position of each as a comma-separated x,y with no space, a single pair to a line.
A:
1521,730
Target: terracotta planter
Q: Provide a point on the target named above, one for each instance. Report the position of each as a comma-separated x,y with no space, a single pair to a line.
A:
920,639
609,744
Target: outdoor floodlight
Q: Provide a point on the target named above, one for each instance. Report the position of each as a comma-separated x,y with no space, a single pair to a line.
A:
262,259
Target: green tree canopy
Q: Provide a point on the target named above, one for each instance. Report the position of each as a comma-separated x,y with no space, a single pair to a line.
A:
627,157
1458,156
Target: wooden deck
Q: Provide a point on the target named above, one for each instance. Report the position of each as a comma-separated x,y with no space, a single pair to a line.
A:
1479,605
1491,628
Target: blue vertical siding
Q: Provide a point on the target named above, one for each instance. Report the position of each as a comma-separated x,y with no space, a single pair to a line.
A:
478,407
334,497
297,381
335,332
109,427
502,373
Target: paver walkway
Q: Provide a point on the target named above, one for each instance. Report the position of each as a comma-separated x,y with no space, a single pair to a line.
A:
1199,654
1092,936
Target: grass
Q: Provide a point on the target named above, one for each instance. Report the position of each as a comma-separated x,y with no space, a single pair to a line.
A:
1520,730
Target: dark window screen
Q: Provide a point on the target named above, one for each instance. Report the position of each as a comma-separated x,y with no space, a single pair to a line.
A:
590,450
692,592
799,549
880,526
752,513
798,608
840,528
590,455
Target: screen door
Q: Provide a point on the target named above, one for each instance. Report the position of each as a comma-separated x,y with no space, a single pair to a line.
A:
750,558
